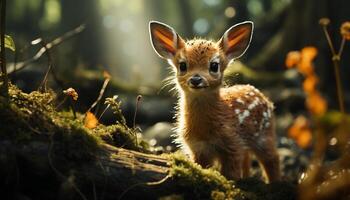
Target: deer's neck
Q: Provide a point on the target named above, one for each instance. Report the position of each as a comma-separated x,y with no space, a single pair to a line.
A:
198,114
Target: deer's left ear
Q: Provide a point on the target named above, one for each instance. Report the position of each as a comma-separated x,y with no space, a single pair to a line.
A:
236,39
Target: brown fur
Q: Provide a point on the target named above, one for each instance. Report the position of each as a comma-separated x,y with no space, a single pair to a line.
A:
222,124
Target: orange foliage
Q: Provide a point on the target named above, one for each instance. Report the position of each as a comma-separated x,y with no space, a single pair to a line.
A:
300,132
90,121
293,58
305,65
309,84
316,104
303,61
345,30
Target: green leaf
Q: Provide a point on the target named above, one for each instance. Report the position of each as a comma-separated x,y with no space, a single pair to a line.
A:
9,43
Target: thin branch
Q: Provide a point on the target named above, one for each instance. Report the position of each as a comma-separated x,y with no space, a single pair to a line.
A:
138,99
341,47
4,78
330,43
49,62
102,91
50,45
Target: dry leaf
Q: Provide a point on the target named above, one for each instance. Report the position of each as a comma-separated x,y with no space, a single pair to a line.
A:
90,121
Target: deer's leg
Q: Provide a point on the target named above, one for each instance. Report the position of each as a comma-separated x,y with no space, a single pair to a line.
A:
202,159
231,166
246,164
267,155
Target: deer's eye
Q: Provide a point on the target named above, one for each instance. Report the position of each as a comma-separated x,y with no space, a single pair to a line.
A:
214,67
183,67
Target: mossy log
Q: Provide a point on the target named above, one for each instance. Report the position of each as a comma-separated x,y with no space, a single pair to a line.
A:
116,173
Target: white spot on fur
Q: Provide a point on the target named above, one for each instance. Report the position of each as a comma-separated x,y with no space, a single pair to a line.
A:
267,124
243,115
253,104
239,100
265,114
251,93
237,111
256,134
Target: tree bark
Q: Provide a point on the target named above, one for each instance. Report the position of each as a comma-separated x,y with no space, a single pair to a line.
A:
34,170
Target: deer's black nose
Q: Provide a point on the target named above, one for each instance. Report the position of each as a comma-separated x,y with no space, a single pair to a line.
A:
196,80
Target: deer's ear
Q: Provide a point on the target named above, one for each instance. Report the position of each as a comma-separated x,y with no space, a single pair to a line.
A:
164,39
236,39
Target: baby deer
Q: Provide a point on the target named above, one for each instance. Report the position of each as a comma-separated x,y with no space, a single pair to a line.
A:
215,123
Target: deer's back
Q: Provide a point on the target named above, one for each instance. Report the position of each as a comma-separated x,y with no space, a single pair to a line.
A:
252,112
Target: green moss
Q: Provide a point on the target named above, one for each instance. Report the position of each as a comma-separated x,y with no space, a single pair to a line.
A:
204,183
121,136
210,184
28,115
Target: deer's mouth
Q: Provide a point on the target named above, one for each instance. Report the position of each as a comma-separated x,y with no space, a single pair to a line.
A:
197,87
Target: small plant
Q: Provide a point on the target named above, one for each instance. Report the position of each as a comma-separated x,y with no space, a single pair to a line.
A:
336,55
73,96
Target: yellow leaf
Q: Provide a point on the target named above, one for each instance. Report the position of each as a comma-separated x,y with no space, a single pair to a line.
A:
9,43
90,121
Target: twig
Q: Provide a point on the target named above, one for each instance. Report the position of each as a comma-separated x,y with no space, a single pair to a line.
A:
50,45
49,62
62,102
4,77
138,99
330,43
73,107
102,91
341,47
336,59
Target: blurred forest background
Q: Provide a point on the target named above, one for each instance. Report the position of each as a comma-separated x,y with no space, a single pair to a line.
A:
116,39
86,43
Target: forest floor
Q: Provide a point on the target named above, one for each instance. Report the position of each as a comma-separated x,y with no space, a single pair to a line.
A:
50,154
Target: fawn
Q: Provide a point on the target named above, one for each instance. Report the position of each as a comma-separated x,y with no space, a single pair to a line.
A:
215,123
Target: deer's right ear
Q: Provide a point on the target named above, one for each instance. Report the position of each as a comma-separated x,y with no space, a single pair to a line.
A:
164,39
